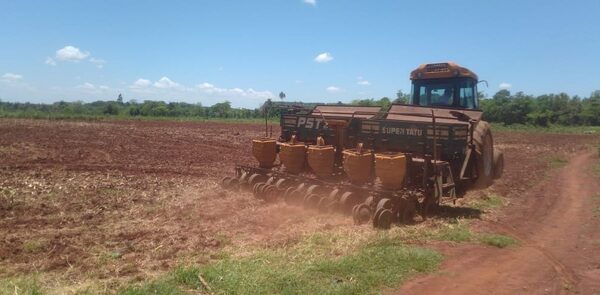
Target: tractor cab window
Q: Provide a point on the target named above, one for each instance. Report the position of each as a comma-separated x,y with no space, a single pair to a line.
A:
457,93
467,94
436,95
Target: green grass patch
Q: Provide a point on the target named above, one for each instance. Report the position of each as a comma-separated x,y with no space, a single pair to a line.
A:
319,264
20,285
487,202
496,240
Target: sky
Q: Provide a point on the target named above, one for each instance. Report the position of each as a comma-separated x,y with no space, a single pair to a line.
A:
312,50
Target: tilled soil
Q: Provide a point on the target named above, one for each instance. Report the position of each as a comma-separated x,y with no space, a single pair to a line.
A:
104,200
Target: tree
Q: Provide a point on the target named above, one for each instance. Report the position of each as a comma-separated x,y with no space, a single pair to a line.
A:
221,109
120,99
402,97
281,95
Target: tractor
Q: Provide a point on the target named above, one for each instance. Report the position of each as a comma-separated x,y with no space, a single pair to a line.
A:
380,165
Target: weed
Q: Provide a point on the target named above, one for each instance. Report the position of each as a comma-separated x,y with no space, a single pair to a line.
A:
496,240
33,246
490,201
557,162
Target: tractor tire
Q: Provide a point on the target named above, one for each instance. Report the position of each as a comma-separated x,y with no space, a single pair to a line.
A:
484,144
498,163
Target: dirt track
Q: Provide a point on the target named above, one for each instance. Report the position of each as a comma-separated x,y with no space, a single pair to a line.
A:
74,195
559,244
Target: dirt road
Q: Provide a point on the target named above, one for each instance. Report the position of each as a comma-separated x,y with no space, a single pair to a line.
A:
559,250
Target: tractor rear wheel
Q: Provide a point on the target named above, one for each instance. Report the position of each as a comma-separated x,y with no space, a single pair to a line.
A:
484,144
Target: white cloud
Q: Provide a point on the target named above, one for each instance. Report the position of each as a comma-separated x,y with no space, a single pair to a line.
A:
333,89
50,61
310,2
140,84
505,85
10,77
363,83
229,93
71,53
98,62
324,57
87,86
165,83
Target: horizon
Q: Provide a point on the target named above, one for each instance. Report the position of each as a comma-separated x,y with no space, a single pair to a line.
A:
323,51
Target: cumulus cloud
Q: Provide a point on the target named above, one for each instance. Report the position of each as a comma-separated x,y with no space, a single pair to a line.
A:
505,85
333,89
310,2
165,83
324,57
140,84
71,53
50,61
98,62
10,77
207,93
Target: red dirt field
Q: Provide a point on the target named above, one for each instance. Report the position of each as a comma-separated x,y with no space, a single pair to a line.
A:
74,194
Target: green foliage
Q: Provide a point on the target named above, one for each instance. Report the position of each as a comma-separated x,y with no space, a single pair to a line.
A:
118,109
543,110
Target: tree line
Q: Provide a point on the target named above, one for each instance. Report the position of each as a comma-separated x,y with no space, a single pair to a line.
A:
502,107
118,108
520,108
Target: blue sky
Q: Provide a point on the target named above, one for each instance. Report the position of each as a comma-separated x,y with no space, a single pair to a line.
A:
322,50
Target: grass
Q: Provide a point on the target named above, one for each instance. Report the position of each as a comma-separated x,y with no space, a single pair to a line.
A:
496,240
356,260
319,264
490,201
351,262
20,285
550,129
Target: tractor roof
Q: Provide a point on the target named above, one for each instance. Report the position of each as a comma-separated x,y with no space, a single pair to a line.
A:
441,70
